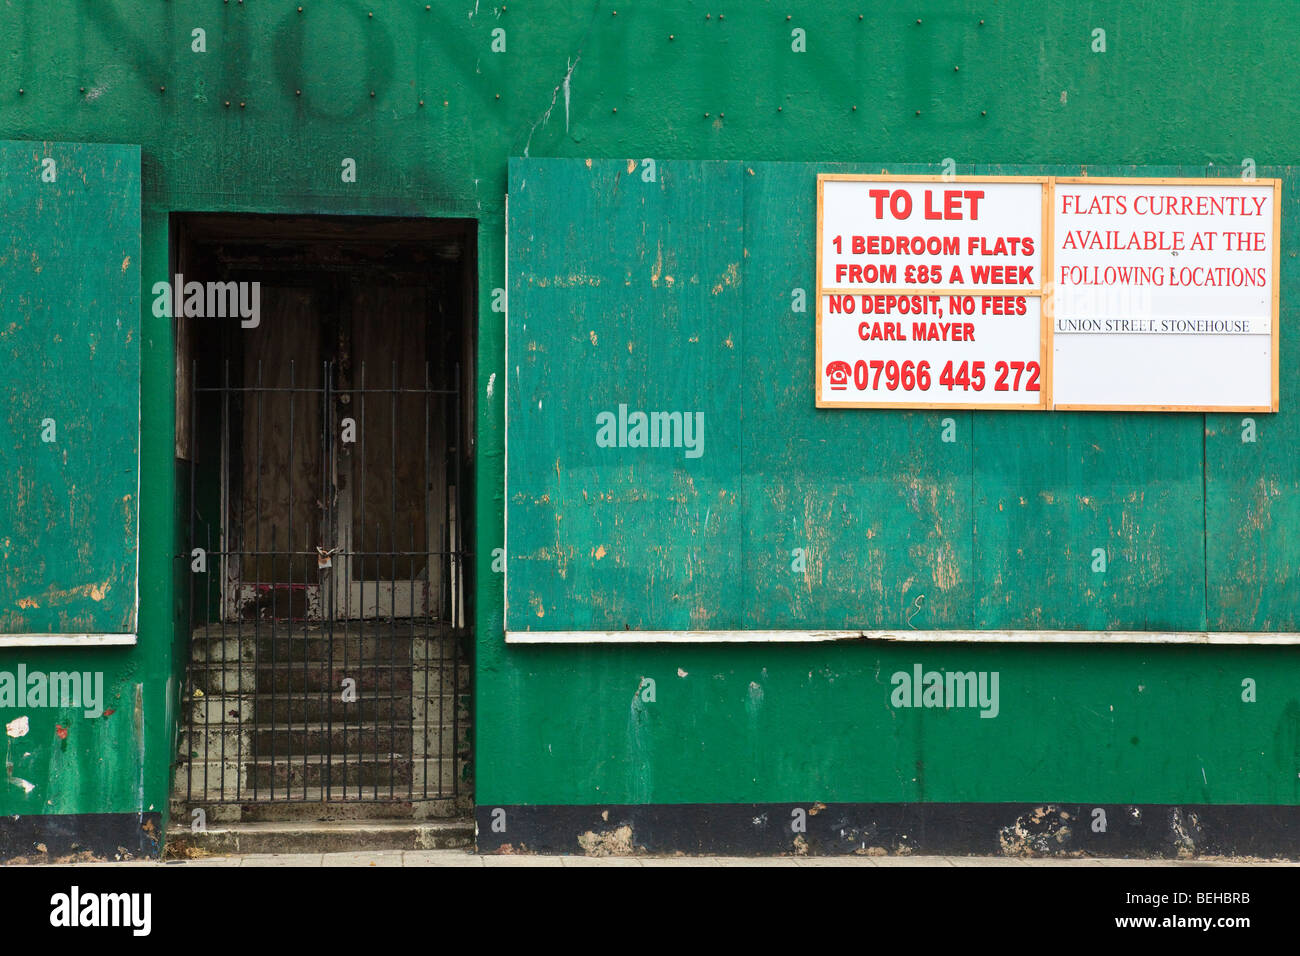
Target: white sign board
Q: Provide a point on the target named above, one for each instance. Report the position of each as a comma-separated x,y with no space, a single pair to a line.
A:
929,292
1047,292
1164,294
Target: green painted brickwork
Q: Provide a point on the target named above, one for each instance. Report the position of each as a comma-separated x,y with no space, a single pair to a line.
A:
1186,85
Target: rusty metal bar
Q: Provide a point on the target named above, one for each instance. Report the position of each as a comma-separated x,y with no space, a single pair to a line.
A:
392,586
194,454
428,576
456,586
328,541
257,575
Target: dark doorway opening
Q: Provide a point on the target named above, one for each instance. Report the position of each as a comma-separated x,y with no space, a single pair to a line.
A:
324,415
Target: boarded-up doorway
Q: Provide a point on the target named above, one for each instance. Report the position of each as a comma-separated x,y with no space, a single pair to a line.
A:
324,431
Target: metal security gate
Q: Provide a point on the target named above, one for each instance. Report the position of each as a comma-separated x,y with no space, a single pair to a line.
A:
329,654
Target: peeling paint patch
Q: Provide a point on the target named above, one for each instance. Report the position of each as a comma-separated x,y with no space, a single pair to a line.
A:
728,278
56,596
16,728
1042,832
616,842
566,281
1185,829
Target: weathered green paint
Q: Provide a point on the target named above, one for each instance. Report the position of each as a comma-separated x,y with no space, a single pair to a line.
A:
70,347
824,519
1185,85
643,311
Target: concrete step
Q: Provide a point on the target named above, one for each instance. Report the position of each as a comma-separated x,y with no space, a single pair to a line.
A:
381,649
378,771
293,677
292,681
317,805
339,630
238,673
254,693
216,779
231,740
214,710
317,837
339,648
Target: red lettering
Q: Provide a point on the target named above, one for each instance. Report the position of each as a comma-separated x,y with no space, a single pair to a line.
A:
930,211
879,195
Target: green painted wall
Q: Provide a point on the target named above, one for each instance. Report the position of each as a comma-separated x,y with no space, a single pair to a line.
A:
1187,85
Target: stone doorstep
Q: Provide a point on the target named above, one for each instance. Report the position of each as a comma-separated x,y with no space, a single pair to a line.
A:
401,680
210,780
233,651
318,837
216,744
318,809
217,709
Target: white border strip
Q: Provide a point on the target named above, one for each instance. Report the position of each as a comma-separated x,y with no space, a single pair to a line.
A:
505,423
972,637
67,640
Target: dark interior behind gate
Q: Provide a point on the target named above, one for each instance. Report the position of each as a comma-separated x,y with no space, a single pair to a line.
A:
322,432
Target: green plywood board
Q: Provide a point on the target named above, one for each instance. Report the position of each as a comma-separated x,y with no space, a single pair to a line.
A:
643,314
841,519
850,521
70,350
1253,486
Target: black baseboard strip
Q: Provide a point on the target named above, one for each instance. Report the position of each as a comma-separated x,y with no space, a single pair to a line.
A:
79,837
947,829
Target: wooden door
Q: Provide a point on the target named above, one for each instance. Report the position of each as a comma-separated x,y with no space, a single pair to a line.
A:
391,484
